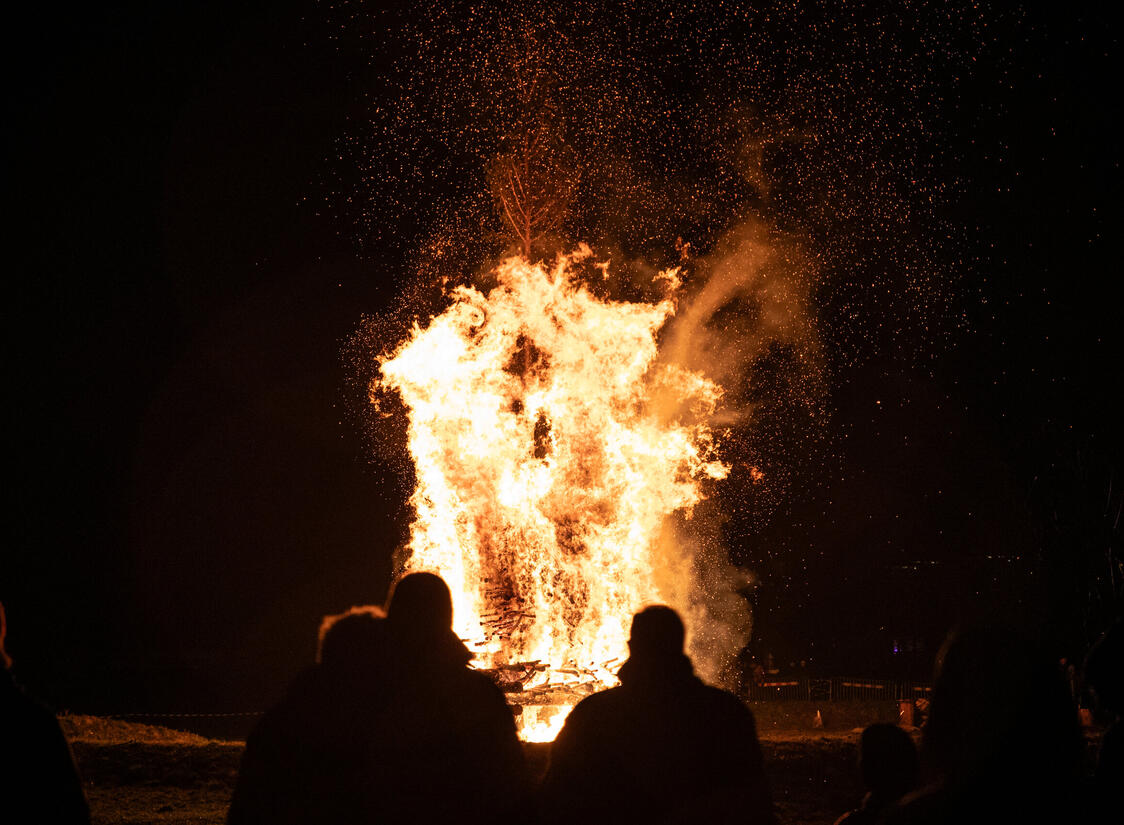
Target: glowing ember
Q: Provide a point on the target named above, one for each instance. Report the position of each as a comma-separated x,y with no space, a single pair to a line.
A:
551,444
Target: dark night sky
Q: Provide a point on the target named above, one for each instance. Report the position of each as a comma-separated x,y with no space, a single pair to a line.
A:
189,493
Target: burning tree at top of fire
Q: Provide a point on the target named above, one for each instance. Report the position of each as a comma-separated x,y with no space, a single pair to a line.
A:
551,444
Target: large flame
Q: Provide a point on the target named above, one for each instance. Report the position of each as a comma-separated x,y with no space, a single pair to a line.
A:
551,444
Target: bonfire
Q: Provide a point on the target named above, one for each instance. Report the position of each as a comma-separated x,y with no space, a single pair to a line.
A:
551,445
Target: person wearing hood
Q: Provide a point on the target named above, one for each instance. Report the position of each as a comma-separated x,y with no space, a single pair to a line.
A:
447,749
662,747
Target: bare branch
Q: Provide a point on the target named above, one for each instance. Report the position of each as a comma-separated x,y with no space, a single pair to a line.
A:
507,211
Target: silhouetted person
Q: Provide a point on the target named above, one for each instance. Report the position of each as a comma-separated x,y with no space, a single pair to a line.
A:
889,767
662,747
448,750
1002,743
38,780
307,760
1104,673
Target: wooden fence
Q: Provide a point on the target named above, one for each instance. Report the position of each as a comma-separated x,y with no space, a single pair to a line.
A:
837,689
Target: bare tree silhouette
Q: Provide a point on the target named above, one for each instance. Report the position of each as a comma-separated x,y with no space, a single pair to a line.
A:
534,177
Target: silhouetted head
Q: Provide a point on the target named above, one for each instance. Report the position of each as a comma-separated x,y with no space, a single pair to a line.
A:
420,615
5,659
888,760
353,641
1000,706
657,634
1104,668
421,603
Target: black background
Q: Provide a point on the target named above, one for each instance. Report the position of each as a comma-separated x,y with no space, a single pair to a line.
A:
188,493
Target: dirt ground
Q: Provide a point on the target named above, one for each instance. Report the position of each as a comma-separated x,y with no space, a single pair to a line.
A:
145,774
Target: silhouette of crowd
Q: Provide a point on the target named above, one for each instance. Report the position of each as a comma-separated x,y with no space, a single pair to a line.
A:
390,724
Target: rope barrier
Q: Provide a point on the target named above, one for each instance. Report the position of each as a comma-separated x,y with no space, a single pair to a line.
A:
177,715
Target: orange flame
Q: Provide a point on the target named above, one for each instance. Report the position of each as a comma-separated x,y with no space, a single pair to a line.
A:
551,444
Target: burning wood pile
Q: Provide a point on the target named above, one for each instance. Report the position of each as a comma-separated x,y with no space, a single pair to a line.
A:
543,492
541,698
